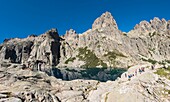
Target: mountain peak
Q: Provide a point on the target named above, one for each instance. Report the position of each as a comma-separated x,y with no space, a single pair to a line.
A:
52,33
155,25
105,20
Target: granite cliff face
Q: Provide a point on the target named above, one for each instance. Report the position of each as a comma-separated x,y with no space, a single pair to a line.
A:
34,52
113,48
102,46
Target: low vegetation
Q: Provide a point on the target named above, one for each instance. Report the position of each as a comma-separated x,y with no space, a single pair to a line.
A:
114,54
154,61
152,49
150,60
164,72
111,56
90,59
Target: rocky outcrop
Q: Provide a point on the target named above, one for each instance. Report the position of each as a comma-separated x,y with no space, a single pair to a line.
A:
16,50
156,25
113,48
25,85
105,20
35,52
18,85
45,51
146,86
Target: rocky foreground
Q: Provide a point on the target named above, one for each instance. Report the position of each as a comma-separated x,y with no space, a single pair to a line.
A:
24,85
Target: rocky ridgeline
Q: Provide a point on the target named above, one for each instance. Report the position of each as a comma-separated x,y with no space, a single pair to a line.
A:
154,26
113,48
102,46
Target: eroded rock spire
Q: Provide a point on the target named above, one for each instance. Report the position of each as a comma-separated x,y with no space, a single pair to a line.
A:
105,20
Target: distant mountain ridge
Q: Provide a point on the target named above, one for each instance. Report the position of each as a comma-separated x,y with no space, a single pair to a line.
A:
104,45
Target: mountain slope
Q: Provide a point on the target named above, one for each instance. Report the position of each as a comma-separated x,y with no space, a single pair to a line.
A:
102,46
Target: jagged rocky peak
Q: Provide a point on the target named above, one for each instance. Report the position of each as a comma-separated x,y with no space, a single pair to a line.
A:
105,20
70,32
154,25
52,33
158,24
71,35
142,24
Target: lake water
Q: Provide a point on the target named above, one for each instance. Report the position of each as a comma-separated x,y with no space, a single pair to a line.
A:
100,74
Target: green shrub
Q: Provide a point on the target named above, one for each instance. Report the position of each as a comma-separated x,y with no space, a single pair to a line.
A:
152,61
149,60
168,61
111,56
90,58
161,72
114,54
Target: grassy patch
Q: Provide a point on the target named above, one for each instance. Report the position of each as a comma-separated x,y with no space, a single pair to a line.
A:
164,72
90,58
161,72
168,61
98,46
114,54
111,56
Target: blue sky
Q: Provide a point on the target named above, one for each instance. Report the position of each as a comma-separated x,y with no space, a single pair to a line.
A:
20,18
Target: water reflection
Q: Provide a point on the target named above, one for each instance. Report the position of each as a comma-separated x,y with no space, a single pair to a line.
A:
100,74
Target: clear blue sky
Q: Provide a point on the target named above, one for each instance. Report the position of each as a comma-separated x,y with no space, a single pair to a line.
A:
19,18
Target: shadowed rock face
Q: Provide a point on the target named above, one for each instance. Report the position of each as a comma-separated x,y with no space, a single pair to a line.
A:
45,51
16,52
11,54
36,52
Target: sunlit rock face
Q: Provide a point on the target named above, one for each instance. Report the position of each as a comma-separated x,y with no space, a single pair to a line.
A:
105,20
46,50
148,40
